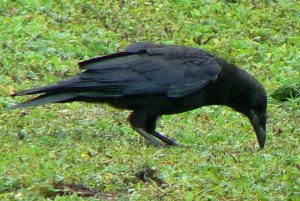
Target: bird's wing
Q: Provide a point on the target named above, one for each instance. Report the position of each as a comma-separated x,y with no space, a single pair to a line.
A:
171,70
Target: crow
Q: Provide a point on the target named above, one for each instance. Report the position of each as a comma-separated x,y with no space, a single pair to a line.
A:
154,80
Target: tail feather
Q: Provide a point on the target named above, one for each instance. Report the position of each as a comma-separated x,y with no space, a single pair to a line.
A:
45,99
45,89
54,88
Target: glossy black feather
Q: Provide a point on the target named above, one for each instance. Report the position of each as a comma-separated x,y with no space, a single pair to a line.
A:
170,70
154,80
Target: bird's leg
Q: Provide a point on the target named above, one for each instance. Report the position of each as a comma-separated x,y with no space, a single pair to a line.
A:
150,125
137,119
147,136
145,125
163,138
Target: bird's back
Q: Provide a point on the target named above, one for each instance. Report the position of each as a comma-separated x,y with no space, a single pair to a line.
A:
141,75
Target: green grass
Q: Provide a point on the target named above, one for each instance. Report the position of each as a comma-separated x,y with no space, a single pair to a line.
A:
84,151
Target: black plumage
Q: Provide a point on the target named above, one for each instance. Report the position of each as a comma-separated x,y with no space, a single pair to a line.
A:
154,80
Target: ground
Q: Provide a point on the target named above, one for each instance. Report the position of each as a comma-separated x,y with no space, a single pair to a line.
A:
84,151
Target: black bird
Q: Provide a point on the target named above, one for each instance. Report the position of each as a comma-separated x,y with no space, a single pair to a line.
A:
154,80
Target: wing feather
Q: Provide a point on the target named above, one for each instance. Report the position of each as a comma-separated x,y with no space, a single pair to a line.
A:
170,70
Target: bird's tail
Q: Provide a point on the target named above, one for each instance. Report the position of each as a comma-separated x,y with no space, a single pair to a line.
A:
45,99
51,94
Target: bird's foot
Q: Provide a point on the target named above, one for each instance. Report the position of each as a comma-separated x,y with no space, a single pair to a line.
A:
148,137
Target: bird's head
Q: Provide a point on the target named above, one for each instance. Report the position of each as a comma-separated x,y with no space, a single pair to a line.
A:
247,96
258,120
254,102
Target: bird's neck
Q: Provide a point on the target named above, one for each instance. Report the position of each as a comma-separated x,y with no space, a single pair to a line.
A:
233,85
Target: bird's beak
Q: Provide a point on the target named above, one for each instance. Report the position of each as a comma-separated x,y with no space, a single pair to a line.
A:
259,122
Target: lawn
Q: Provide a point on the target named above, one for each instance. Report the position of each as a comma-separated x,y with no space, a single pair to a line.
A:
81,151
